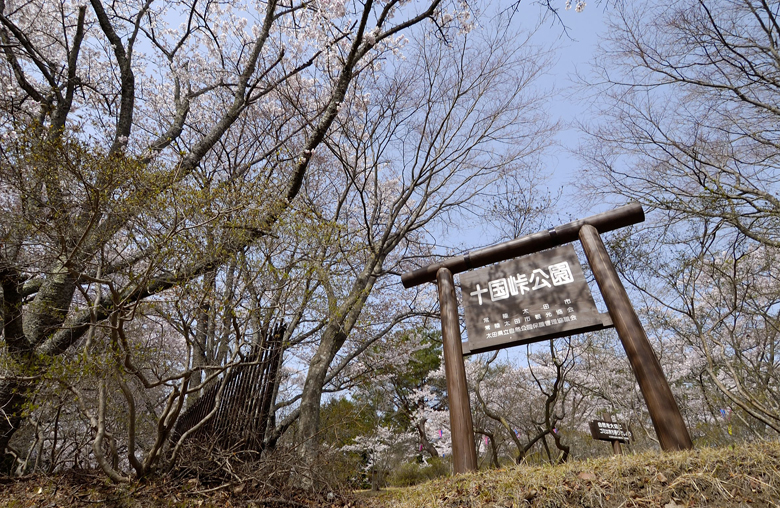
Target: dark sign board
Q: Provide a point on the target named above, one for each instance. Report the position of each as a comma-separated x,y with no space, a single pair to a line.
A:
528,299
609,431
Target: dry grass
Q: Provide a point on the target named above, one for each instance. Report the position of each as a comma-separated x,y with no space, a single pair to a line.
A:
82,489
742,476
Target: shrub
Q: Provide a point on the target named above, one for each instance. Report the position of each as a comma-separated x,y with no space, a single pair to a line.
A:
412,473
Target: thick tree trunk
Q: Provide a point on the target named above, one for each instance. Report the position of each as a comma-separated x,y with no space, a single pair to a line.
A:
376,477
342,322
13,396
42,318
309,421
426,443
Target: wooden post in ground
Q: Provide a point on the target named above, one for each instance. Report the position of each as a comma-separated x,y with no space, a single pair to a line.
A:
464,454
616,449
669,425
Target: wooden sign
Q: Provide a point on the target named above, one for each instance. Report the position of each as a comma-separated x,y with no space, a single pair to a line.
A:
528,299
610,431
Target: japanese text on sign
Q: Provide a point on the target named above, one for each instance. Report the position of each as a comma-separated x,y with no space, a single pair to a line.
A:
609,431
518,300
500,289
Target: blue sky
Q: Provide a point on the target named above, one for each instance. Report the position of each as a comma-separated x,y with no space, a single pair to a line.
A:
575,45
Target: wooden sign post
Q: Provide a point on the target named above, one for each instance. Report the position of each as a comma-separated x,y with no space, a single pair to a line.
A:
667,420
530,310
607,430
464,455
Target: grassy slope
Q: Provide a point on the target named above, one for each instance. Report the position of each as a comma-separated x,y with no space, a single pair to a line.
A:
743,476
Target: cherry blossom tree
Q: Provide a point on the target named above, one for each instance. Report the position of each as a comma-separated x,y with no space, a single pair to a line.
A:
180,186
688,97
468,121
690,112
131,130
716,312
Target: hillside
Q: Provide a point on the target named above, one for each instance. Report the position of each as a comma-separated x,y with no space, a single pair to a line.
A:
744,476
